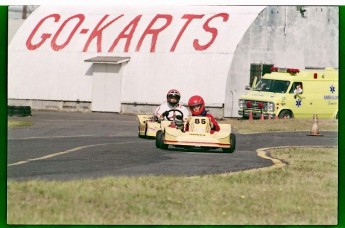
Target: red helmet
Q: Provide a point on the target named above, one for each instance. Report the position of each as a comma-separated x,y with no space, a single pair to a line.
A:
196,101
173,93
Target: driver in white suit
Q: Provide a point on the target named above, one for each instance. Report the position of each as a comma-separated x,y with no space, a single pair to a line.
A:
173,98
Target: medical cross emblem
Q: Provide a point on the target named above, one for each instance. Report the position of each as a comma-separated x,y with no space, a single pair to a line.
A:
332,89
298,102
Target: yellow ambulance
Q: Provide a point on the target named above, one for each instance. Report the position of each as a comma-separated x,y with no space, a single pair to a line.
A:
292,93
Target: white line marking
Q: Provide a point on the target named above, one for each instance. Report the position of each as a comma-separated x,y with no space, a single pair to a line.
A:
48,137
66,152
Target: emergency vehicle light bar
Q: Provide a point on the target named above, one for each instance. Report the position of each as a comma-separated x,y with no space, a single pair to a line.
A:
292,70
285,70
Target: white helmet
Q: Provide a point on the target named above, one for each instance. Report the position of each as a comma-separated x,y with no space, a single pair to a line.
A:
173,94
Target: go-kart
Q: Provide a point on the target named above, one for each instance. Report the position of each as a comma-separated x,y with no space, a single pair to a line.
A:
198,135
150,124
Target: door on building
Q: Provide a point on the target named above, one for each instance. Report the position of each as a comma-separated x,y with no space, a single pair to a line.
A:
106,84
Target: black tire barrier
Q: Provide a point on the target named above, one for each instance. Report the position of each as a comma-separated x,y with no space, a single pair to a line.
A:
20,111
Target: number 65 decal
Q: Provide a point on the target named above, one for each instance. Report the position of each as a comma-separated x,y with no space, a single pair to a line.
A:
197,121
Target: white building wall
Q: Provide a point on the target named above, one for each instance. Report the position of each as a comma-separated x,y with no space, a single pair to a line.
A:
278,35
55,70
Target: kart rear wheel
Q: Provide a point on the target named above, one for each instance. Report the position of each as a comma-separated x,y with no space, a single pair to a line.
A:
232,144
142,136
139,135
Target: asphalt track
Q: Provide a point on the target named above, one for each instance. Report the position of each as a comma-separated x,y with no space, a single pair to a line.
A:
69,145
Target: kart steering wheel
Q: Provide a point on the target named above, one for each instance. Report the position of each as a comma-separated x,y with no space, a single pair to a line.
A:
174,117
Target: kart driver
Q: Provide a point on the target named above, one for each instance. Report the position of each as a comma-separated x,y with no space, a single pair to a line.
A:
196,105
173,98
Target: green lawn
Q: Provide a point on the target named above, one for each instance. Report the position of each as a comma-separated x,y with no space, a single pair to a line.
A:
301,191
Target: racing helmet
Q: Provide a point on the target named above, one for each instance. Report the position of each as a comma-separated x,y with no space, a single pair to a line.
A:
194,101
173,94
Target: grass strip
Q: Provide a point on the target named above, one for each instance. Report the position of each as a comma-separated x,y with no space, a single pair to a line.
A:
303,192
19,123
280,125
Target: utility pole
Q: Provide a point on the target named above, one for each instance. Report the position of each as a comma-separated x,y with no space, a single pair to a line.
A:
25,10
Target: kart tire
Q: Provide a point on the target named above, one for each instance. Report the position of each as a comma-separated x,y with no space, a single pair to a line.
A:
232,144
142,136
20,111
27,110
139,135
158,138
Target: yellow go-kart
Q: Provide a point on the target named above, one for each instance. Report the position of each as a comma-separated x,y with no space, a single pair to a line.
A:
198,135
149,124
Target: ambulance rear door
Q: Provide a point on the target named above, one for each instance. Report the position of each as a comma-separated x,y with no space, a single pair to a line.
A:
324,101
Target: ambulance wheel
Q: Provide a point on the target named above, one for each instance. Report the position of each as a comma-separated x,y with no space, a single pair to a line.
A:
285,114
232,144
